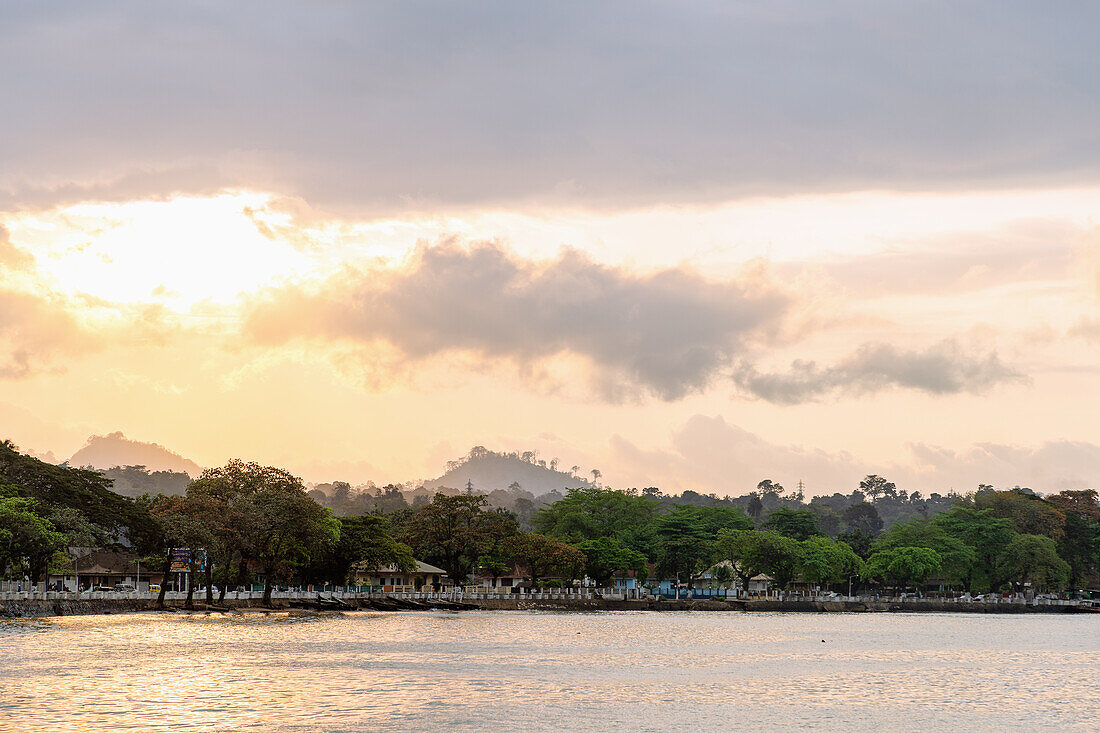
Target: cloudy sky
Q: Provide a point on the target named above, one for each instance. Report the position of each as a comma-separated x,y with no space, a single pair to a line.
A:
691,246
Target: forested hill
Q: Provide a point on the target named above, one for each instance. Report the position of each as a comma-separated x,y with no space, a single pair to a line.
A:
487,471
72,496
133,481
107,451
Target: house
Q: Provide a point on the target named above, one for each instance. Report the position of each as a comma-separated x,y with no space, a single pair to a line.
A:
102,568
390,578
720,580
513,577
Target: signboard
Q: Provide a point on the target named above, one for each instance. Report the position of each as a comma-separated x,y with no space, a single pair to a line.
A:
181,559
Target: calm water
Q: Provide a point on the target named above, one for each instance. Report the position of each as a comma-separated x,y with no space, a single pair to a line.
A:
550,671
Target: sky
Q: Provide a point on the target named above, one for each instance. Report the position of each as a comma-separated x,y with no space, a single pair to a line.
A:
691,246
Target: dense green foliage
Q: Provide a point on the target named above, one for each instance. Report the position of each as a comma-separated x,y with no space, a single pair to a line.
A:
113,518
259,522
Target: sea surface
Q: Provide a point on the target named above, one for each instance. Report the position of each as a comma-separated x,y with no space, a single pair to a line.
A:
520,671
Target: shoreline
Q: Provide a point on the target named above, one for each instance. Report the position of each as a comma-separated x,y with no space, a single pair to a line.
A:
55,608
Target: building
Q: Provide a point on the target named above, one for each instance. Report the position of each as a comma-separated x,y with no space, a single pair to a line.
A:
390,578
707,583
102,568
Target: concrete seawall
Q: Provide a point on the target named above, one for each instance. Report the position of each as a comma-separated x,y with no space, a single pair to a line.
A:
46,608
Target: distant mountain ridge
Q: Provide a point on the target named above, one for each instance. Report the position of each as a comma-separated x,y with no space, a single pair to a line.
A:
488,471
115,449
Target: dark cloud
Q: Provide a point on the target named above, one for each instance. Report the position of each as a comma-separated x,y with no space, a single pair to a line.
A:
944,368
377,106
669,332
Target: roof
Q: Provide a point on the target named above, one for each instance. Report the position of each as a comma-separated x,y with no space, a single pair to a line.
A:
708,574
421,567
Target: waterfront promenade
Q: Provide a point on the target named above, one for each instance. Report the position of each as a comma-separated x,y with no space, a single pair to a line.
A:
55,603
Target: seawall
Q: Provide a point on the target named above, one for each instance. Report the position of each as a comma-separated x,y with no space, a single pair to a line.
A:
62,607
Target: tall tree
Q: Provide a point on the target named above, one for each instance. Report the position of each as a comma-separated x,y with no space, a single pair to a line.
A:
683,543
450,530
862,517
1033,558
604,557
1029,513
957,558
590,513
364,539
752,553
543,556
1080,544
27,539
902,566
825,561
288,528
798,524
875,486
987,535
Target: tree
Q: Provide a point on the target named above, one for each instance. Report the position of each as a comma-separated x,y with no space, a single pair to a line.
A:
1080,545
860,542
604,557
824,561
543,556
986,534
752,553
957,558
798,524
711,519
875,486
723,574
1028,513
827,519
767,486
287,528
182,526
682,543
262,515
226,495
449,530
591,513
1033,558
27,539
902,566
497,528
755,507
364,539
863,518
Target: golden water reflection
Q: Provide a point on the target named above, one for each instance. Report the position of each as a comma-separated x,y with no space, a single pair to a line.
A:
547,671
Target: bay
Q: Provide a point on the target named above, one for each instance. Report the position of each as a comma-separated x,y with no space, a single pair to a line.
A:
543,671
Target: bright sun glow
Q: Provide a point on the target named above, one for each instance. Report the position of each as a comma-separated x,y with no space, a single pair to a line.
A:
178,252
